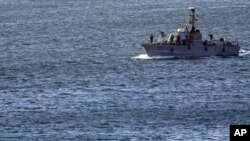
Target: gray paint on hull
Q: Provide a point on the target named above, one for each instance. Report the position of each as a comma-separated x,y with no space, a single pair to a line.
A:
190,51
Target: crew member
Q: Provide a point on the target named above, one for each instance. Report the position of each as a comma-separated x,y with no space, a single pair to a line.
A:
151,38
161,38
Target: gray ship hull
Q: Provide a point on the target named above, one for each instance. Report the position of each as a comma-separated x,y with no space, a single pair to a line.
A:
190,51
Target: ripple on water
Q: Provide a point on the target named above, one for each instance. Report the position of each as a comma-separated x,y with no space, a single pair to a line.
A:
75,71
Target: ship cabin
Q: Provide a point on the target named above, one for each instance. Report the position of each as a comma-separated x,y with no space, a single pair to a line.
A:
183,36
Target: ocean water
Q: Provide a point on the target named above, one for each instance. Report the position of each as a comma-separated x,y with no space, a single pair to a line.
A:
74,70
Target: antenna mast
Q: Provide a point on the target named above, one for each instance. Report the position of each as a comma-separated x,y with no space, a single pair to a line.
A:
192,17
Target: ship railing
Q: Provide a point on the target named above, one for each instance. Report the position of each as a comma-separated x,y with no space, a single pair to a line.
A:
228,43
231,43
235,43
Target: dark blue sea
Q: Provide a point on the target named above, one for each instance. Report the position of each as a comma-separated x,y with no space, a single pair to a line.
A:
75,70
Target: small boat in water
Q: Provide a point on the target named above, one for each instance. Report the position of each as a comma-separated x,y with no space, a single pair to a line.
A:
188,42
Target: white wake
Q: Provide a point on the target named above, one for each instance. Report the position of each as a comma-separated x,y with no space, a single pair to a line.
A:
146,57
244,52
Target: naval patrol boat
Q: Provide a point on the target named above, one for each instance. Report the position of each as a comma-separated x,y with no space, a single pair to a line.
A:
188,42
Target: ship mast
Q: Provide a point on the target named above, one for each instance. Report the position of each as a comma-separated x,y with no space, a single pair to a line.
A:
192,17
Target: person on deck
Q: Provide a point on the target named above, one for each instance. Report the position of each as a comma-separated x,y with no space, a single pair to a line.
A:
151,38
161,38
